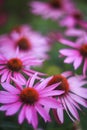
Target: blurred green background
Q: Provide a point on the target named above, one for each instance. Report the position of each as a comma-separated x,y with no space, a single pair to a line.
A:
18,13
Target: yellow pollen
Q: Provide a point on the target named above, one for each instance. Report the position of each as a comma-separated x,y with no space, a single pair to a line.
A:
29,96
14,64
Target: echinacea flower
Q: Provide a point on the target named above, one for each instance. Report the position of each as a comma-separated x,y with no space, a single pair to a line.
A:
76,52
53,9
73,19
28,41
29,99
15,65
74,95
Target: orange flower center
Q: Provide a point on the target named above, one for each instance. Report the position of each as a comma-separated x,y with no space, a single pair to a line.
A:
56,4
23,44
63,85
83,50
29,96
14,64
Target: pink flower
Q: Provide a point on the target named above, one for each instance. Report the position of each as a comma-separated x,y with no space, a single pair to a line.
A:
77,53
31,98
72,19
15,65
54,9
74,95
28,41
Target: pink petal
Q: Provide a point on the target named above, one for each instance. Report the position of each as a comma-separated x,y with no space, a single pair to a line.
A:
79,100
51,87
34,118
20,78
51,93
69,59
42,112
60,114
72,109
68,43
77,62
64,105
5,93
73,102
4,76
13,108
43,84
32,80
68,52
21,116
8,99
67,73
28,113
49,102
10,88
79,91
74,32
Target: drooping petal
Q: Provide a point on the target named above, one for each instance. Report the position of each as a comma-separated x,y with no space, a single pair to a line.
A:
28,113
60,114
67,111
72,109
34,118
79,100
21,116
42,112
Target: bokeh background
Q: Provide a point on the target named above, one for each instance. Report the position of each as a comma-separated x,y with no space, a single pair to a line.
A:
17,12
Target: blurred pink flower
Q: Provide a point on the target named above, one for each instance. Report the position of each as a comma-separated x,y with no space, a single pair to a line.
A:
74,95
31,98
72,19
28,41
54,9
15,65
76,53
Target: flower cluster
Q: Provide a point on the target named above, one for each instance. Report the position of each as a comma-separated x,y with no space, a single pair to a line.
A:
30,92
